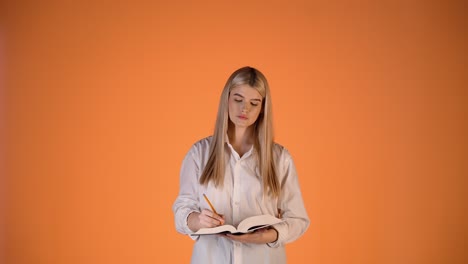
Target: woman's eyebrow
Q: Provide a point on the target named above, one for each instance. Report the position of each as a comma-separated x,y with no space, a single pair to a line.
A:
255,99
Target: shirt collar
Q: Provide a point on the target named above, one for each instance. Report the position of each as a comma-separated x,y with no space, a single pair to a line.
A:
234,152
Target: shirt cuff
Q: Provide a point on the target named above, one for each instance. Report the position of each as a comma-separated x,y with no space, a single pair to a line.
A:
281,229
188,230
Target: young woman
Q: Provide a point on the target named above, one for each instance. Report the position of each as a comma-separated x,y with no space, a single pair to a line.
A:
244,173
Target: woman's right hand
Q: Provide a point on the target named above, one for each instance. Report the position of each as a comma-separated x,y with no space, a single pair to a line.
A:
204,219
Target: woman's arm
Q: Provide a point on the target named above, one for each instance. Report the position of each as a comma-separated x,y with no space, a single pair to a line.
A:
188,217
260,236
187,200
291,204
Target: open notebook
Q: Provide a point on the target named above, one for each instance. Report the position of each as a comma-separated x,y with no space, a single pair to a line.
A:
247,225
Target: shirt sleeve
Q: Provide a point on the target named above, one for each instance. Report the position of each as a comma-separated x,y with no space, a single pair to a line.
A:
187,200
291,205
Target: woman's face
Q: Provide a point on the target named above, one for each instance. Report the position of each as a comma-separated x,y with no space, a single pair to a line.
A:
245,104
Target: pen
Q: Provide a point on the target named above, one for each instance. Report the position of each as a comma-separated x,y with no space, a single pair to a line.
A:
209,203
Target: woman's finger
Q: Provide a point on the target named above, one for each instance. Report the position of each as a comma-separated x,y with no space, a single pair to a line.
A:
218,218
206,219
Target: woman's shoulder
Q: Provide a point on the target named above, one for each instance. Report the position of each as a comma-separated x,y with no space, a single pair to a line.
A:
280,151
200,149
201,145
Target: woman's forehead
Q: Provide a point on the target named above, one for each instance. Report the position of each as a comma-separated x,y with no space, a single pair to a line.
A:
246,91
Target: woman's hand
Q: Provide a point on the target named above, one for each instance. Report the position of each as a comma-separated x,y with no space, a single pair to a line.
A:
204,219
259,236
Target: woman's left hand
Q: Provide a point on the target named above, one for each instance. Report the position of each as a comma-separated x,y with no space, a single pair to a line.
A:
260,236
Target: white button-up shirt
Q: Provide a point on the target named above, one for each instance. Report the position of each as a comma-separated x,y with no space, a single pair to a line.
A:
241,196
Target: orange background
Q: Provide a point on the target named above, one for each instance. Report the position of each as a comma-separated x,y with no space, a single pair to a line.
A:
104,98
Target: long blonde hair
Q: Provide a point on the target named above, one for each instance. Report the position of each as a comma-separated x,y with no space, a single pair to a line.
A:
263,133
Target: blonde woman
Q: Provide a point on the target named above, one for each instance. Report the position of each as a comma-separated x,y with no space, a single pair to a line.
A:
244,173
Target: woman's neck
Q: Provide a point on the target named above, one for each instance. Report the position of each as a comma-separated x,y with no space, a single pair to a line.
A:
241,139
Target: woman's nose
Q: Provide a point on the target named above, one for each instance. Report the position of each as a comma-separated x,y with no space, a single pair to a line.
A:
245,108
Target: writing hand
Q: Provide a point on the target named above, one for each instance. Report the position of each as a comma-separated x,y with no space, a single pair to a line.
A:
204,219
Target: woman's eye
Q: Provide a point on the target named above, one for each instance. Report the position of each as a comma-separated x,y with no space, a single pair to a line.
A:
253,104
237,100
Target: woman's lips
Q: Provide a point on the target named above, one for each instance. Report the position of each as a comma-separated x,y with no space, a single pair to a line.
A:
242,117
